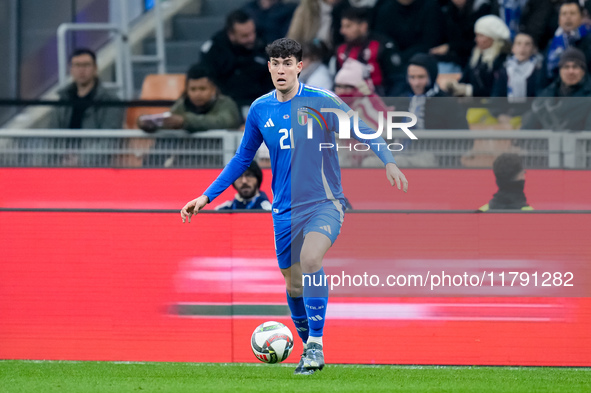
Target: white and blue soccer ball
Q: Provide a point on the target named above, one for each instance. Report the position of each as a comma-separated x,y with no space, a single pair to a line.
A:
271,342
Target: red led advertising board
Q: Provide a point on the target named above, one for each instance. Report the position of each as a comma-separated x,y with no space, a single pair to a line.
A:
144,287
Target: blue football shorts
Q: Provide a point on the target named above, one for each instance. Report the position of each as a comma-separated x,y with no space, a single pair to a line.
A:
325,217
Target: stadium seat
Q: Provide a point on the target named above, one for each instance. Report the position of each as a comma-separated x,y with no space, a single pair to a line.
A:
154,87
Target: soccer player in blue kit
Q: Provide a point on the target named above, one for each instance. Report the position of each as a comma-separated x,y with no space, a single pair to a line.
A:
308,202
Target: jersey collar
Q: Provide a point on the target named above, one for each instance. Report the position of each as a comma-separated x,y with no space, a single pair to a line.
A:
301,88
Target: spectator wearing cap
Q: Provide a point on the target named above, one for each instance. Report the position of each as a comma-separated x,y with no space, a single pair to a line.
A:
510,178
354,86
434,109
488,57
249,196
459,17
571,32
200,108
554,109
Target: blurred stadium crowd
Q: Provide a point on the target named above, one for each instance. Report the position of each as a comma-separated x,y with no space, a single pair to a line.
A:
455,64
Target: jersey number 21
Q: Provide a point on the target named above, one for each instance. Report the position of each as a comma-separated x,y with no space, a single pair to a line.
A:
286,134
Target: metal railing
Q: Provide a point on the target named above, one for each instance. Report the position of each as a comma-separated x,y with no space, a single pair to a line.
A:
124,60
476,149
214,149
576,149
116,148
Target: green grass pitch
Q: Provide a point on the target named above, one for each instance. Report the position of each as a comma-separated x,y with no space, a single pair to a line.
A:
58,376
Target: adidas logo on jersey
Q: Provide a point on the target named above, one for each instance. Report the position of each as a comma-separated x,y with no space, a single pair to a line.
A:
326,228
269,123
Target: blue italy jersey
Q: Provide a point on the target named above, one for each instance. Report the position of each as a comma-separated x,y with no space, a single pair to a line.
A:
303,172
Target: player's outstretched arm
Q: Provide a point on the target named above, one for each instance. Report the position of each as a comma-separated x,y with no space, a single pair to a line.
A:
193,207
395,176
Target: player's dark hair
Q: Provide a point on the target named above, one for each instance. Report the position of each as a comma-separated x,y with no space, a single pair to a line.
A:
507,166
284,48
356,14
236,17
576,2
83,51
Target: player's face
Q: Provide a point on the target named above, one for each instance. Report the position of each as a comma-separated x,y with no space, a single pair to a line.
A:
244,34
284,72
570,17
200,91
571,73
83,69
247,185
418,79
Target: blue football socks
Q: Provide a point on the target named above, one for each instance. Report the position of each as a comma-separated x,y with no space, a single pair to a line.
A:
298,315
315,300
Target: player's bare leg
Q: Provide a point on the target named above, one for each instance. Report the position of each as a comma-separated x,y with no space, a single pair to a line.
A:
315,293
293,280
315,246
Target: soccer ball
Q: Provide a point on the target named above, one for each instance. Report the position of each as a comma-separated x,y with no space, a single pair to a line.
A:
271,342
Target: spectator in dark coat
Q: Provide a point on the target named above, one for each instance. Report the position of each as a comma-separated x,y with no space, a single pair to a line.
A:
414,25
380,55
271,17
519,79
487,59
434,109
510,178
527,16
572,32
238,60
521,73
459,17
555,109
85,90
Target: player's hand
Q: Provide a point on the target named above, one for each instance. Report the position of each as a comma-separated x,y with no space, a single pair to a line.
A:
193,207
395,176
